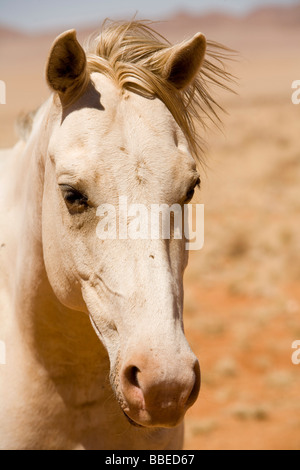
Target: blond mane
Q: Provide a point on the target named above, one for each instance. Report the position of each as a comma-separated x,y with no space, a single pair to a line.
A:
129,54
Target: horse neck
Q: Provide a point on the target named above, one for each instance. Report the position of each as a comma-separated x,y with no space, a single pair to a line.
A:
61,340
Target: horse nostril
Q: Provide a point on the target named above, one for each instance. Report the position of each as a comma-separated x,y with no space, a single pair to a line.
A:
132,388
131,375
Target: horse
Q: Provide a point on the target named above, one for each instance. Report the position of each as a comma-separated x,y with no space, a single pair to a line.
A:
96,355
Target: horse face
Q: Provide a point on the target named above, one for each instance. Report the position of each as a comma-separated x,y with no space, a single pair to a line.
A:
113,144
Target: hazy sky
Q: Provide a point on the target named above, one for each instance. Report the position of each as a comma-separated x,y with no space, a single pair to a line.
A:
39,15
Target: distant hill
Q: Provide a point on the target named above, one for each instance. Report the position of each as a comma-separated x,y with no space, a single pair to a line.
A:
272,26
287,17
269,25
282,16
269,16
10,33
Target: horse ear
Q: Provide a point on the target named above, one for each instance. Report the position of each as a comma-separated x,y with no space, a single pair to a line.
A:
66,70
185,61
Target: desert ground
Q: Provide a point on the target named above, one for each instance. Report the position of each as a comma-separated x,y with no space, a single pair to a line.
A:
242,291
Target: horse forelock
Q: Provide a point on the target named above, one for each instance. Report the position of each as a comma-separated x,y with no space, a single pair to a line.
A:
130,54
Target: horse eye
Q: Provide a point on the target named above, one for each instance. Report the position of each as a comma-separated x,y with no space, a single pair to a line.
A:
191,192
190,195
75,201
